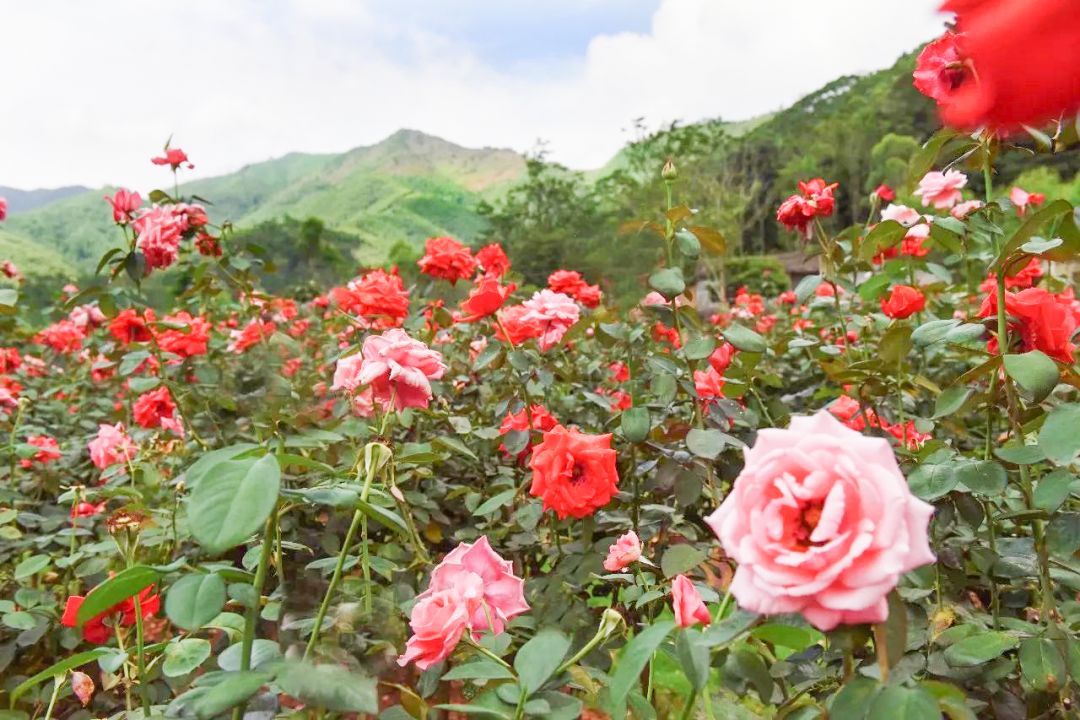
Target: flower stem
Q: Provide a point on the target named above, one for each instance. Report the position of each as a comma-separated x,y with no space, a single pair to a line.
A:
334,579
58,683
252,615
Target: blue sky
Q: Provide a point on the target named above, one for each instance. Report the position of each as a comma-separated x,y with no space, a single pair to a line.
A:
99,86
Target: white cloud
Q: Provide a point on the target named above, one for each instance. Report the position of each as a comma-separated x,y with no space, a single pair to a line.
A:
90,90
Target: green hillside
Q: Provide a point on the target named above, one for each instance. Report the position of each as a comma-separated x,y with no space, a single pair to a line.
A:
406,188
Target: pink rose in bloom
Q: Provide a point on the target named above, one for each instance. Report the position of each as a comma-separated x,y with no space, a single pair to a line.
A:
822,523
173,157
687,603
111,446
902,214
159,232
962,210
500,594
708,383
941,189
623,552
438,621
3,209
124,205
347,372
552,313
87,316
1022,198
399,369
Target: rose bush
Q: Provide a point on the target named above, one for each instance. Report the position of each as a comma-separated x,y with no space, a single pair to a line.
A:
473,497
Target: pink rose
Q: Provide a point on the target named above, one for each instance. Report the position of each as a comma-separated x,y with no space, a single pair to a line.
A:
821,522
689,607
437,623
623,552
1022,198
941,189
398,369
902,214
502,595
124,204
962,210
111,446
553,313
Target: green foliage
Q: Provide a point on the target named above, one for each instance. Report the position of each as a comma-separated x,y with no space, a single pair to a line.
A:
761,274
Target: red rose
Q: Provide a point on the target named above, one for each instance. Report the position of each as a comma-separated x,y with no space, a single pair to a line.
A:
188,340
448,259
1043,321
487,296
571,283
379,299
94,629
128,326
903,301
152,408
574,473
885,193
1025,60
941,69
493,260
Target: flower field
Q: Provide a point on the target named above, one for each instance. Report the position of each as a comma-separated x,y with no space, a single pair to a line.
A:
466,496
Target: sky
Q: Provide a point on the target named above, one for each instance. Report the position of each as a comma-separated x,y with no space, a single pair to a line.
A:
90,90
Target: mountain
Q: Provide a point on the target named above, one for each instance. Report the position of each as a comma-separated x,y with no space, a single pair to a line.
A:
406,188
22,200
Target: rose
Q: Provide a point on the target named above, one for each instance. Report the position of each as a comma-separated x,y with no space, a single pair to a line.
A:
1042,320
111,446
379,299
573,473
498,594
437,623
903,301
446,258
398,369
493,260
822,523
486,296
623,552
552,314
941,189
1025,63
687,603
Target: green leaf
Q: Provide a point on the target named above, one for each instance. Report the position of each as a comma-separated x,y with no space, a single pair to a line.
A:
678,559
688,244
951,400
1029,227
854,699
980,648
699,348
61,666
454,445
1053,489
200,467
632,660
470,709
539,658
747,663
495,502
1033,371
31,566
232,501
895,344
263,651
1063,534
744,338
385,516
693,655
884,235
789,636
234,689
896,702
185,656
984,477
935,477
330,687
706,443
731,627
668,282
1041,664
479,670
195,600
126,583
636,424
932,332
806,287
1058,437
926,156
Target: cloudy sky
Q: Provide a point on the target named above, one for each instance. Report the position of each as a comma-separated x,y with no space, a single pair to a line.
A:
91,89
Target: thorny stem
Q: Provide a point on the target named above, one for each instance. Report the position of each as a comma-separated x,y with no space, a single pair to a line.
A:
252,616
342,553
